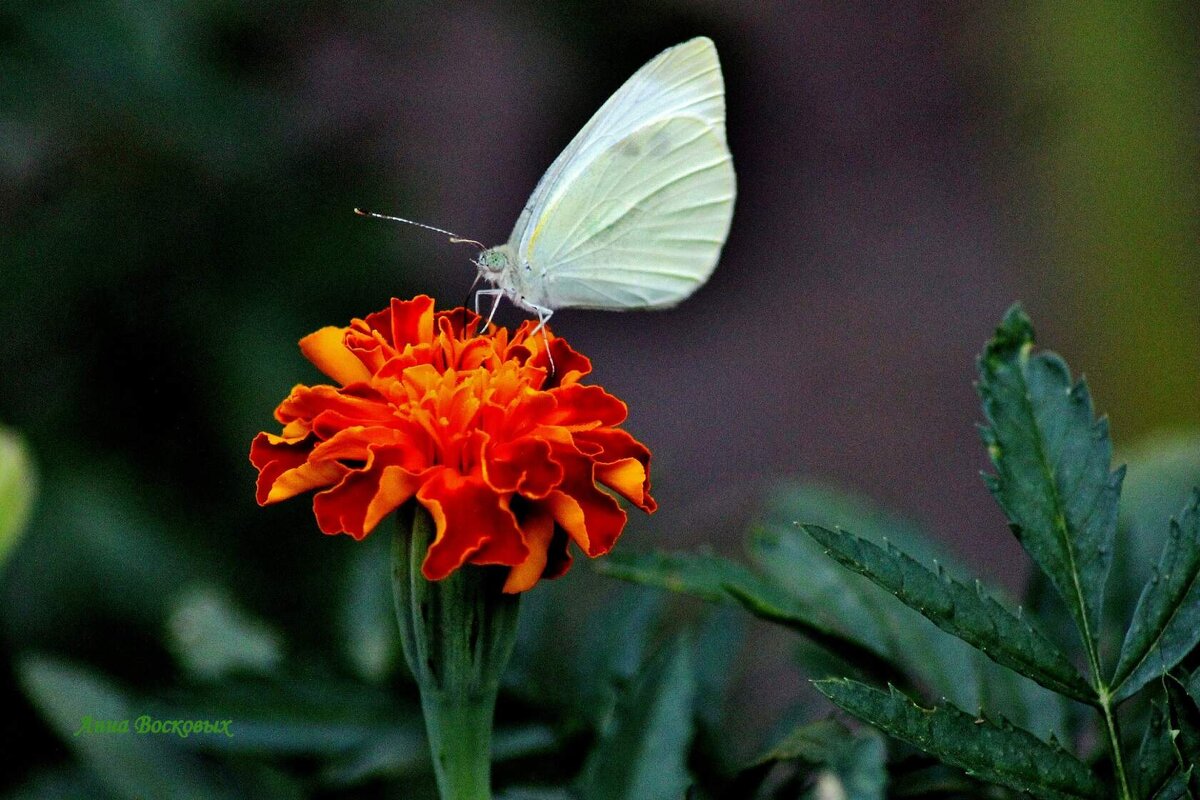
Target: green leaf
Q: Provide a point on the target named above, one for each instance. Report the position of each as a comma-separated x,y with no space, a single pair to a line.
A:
96,720
642,753
366,618
1156,761
852,766
967,613
703,576
1162,469
1176,788
404,751
18,485
1052,467
1184,721
947,666
1166,621
994,751
317,716
813,742
719,640
1193,687
717,579
1184,718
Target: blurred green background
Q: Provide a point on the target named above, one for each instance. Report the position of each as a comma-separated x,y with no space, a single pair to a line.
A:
178,180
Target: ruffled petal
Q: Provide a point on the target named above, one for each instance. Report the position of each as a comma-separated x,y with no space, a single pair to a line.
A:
467,424
538,528
592,518
363,498
522,466
472,520
327,351
284,470
584,407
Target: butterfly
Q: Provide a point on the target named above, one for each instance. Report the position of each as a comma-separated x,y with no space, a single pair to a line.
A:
634,212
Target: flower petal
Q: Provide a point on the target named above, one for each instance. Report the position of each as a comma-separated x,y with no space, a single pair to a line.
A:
594,519
326,349
522,466
583,407
538,527
473,523
284,470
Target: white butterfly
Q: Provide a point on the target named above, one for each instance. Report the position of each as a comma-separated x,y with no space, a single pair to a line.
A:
633,214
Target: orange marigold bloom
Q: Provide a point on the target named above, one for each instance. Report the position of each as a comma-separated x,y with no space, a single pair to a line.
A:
508,459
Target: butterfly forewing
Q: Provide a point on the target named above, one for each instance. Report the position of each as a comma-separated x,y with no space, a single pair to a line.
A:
634,212
643,226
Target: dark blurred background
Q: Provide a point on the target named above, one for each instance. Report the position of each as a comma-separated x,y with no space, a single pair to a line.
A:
177,184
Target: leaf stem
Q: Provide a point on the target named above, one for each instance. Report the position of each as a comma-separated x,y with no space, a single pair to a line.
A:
1114,742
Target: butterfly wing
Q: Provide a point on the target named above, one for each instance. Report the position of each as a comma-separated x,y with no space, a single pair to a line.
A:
635,211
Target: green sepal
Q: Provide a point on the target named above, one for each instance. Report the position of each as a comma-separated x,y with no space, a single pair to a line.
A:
457,635
1052,461
1166,620
963,611
994,751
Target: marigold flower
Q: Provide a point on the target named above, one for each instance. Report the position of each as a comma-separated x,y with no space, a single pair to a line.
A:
508,459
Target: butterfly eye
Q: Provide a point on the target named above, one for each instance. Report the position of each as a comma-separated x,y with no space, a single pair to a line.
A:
492,261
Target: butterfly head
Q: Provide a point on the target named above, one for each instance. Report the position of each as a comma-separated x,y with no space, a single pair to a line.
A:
493,262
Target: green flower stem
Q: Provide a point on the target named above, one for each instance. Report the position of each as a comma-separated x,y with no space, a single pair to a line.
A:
457,635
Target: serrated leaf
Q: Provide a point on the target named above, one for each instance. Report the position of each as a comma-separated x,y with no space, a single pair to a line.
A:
1176,788
1166,620
642,753
1192,686
1156,761
967,613
717,579
1184,721
928,656
1052,461
994,751
1162,470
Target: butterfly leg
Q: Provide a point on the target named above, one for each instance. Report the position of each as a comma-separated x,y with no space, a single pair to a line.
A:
543,315
495,294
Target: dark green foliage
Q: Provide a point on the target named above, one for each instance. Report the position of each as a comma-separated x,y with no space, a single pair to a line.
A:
968,613
994,750
1055,483
1166,620
1052,467
643,747
1156,762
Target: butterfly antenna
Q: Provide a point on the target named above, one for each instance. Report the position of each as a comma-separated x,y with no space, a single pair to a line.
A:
454,237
